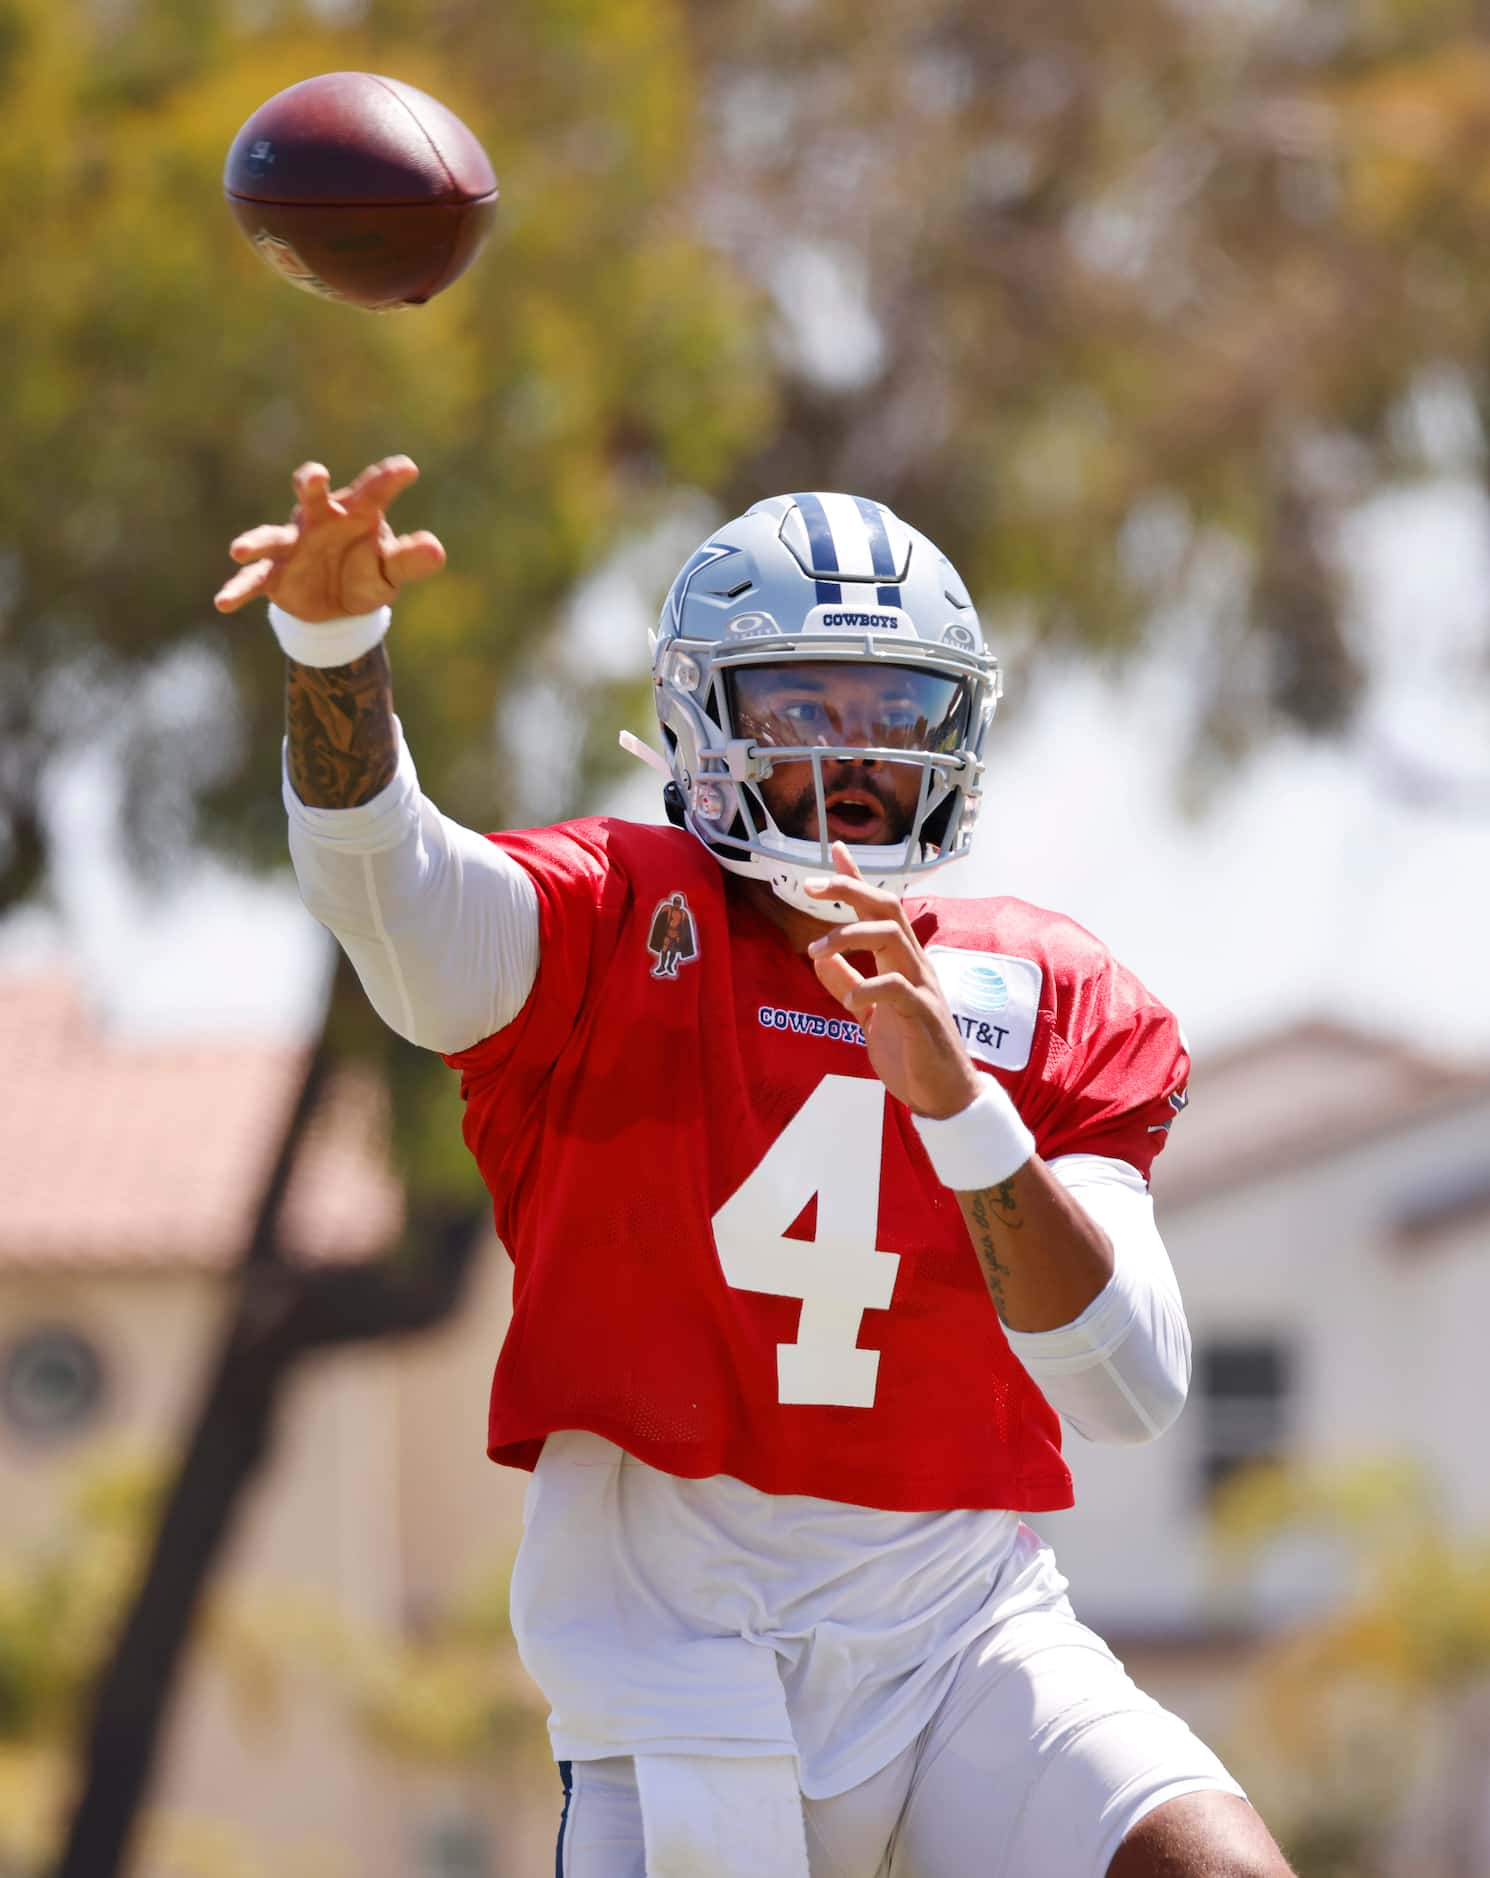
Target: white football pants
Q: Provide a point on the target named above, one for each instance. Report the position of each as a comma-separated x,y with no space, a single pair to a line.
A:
1043,1756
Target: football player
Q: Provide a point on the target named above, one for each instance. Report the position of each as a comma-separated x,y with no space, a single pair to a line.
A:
827,1201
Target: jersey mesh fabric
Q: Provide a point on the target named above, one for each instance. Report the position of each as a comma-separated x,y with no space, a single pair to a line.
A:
624,1105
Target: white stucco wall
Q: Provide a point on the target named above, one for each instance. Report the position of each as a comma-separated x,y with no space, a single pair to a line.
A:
1390,1340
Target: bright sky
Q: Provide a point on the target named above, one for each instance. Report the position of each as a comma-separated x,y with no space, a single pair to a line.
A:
1311,885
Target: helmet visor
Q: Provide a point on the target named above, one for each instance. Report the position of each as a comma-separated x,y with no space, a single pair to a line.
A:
838,703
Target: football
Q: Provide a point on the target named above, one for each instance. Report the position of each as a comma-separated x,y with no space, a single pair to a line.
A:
362,189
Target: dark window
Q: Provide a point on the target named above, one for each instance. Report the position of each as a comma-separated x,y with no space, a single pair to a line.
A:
453,1848
1245,1388
51,1382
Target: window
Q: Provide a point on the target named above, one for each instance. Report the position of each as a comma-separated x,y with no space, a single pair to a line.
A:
451,1846
1245,1387
51,1382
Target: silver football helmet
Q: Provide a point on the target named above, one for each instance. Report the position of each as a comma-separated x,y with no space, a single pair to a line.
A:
748,668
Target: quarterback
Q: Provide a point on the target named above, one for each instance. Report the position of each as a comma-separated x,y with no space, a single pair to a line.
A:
827,1203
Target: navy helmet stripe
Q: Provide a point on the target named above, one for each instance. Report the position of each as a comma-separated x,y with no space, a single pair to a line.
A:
819,534
879,547
879,540
824,548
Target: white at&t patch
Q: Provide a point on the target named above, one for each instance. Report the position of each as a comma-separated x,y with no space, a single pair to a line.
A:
995,1001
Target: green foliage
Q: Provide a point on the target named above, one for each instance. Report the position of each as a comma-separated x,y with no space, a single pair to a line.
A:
161,382
1344,1706
1154,286
453,1697
1144,293
58,1609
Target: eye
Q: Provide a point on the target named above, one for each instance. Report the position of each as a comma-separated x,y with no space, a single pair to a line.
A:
805,714
901,723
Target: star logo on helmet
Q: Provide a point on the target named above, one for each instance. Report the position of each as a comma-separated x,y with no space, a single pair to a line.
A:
707,555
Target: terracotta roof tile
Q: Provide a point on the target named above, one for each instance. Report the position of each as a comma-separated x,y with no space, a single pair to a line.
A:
117,1153
1298,1095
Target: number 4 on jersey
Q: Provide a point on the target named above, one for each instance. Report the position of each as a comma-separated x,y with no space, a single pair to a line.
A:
831,1147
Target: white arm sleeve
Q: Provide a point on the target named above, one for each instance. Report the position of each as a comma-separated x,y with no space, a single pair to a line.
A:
441,925
1120,1372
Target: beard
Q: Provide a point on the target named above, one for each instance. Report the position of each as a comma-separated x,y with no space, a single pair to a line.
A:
795,817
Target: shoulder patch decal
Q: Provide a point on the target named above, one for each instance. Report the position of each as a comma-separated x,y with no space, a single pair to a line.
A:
995,1001
672,938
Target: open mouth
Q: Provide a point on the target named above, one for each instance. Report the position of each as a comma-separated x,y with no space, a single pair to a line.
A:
855,815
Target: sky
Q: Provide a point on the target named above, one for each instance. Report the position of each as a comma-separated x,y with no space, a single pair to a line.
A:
1314,883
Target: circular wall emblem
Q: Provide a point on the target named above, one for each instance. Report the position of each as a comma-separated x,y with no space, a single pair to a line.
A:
51,1382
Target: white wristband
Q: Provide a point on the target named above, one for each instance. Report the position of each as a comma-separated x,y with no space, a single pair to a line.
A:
981,1145
329,642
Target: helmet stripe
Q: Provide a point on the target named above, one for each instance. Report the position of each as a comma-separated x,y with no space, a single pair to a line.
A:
824,550
879,548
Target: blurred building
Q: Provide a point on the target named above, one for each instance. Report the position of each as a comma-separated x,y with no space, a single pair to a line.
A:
129,1181
1326,1201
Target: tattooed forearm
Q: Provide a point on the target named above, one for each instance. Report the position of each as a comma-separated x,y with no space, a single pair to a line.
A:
1043,1257
339,721
994,1204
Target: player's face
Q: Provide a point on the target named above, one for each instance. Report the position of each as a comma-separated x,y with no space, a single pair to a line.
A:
819,705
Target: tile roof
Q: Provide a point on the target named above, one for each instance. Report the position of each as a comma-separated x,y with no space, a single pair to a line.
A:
115,1153
1298,1095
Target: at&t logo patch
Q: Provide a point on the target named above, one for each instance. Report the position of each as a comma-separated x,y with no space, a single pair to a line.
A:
995,1001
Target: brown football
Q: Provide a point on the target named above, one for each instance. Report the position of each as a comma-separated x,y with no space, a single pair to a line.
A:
361,189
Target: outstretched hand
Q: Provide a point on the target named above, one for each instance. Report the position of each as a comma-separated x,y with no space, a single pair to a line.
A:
337,555
908,1026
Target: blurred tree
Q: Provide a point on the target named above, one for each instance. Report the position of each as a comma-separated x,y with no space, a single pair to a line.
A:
58,1605
1370,1719
454,1698
162,383
281,1309
1128,305
56,1611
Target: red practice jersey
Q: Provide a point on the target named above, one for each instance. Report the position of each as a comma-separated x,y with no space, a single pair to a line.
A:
731,1254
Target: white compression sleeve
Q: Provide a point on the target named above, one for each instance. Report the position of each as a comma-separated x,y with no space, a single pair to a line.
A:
1119,1372
441,925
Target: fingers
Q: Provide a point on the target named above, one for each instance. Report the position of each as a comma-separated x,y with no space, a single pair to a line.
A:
893,948
878,936
836,976
378,485
247,584
272,539
413,557
850,886
863,995
312,483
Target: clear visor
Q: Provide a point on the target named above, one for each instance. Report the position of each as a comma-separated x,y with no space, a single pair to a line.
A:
834,703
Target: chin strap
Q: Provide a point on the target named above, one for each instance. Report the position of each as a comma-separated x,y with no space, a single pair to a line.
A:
672,795
633,746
